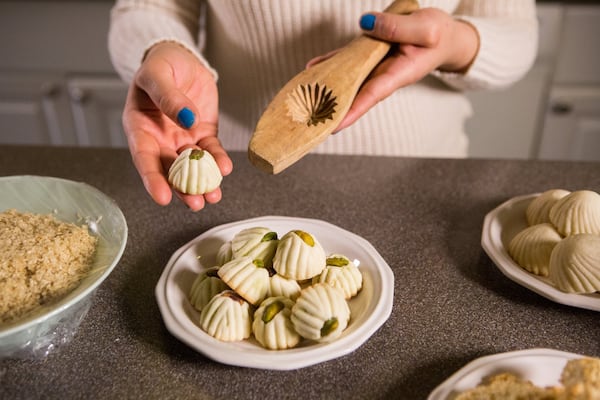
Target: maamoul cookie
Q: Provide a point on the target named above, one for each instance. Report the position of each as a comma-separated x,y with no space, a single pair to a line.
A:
195,171
227,317
575,264
321,313
206,285
299,256
577,212
342,273
257,243
247,277
281,286
225,254
539,209
272,326
531,248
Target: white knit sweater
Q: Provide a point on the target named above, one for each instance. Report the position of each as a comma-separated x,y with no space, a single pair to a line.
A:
256,46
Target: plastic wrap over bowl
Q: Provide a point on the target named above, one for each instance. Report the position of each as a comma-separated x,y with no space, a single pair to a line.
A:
42,331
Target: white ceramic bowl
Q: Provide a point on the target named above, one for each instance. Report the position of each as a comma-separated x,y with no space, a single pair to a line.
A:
34,336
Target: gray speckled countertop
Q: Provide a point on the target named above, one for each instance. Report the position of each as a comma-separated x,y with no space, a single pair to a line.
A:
451,304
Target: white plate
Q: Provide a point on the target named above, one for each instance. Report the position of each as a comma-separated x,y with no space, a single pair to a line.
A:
499,227
369,309
542,367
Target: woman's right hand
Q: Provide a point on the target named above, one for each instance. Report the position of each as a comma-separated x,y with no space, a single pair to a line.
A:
172,104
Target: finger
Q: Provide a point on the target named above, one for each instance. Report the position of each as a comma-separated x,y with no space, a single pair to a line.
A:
157,80
148,163
213,145
321,58
413,28
214,196
197,202
393,73
194,202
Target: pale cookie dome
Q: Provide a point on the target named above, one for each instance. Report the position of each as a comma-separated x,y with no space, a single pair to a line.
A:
539,209
227,317
247,277
321,313
575,264
195,172
281,286
224,254
342,273
578,212
272,326
206,285
531,248
257,242
299,256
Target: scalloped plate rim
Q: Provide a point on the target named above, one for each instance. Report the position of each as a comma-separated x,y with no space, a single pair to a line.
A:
476,369
258,357
493,246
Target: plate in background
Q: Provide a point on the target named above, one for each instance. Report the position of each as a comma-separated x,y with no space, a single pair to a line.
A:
542,367
499,227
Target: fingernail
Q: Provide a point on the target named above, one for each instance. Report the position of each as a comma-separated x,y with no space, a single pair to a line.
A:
186,117
367,22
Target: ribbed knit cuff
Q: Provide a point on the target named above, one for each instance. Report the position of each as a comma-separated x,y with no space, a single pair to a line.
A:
507,50
191,48
132,34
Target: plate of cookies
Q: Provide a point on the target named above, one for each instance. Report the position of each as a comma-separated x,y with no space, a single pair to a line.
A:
527,374
549,243
275,292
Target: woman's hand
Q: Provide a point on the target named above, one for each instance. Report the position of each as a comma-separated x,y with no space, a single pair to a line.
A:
426,40
172,103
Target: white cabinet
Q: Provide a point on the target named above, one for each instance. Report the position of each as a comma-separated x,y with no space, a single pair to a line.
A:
34,109
97,105
57,85
571,121
572,124
53,110
506,123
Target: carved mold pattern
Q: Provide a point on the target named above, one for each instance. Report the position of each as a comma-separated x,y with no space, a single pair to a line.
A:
310,105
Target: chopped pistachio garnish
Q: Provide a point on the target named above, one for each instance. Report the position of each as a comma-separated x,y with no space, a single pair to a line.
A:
329,326
337,261
259,263
196,154
269,236
271,311
306,237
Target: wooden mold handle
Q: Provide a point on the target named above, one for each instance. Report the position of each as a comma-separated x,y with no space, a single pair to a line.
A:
281,137
402,7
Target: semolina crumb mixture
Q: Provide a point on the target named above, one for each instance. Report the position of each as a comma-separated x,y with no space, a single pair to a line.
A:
41,259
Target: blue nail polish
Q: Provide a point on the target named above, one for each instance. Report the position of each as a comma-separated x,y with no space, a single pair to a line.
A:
367,22
186,117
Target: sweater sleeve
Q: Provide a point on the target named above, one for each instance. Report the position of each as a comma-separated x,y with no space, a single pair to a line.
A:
508,40
137,25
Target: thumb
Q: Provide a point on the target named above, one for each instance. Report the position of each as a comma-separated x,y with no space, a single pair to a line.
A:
412,28
157,81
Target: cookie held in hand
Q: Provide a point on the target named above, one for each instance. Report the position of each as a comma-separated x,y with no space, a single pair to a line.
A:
195,171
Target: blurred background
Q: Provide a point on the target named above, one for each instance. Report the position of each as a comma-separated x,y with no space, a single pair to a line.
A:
58,87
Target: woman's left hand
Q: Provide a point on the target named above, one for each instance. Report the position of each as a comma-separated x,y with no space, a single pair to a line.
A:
426,40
